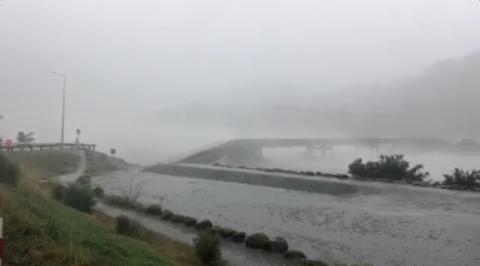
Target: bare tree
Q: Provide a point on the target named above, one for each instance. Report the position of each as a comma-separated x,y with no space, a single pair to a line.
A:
135,190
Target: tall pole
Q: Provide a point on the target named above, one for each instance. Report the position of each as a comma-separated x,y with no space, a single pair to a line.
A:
63,110
62,138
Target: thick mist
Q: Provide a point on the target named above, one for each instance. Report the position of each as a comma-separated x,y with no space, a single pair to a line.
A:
155,78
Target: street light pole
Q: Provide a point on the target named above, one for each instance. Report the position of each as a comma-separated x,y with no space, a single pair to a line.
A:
63,103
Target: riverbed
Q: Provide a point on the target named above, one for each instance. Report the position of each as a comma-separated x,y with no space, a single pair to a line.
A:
393,225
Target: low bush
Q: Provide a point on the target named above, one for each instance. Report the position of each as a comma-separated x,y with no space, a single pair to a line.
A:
388,167
277,245
127,226
204,225
167,215
123,202
79,197
9,172
59,191
460,179
257,241
224,232
239,237
207,247
154,209
99,192
294,255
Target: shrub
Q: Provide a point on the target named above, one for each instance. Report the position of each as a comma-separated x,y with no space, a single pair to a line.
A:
207,248
257,241
189,221
9,172
123,202
167,215
389,167
59,191
204,225
224,232
79,197
294,255
463,179
127,226
154,209
99,192
278,245
239,237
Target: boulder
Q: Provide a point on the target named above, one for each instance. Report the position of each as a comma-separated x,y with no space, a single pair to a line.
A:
167,215
154,209
295,255
257,240
239,237
204,225
277,245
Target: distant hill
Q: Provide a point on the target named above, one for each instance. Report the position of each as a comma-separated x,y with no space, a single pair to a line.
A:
443,101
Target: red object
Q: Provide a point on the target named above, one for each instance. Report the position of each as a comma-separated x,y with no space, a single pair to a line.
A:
9,144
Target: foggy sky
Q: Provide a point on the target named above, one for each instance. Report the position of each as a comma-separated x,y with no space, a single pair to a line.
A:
128,61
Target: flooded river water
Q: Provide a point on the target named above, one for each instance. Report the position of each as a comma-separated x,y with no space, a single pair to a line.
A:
391,225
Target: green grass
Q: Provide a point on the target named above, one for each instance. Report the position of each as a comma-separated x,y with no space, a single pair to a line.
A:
41,231
49,163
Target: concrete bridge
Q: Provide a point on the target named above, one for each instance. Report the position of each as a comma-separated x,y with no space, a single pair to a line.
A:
48,146
252,149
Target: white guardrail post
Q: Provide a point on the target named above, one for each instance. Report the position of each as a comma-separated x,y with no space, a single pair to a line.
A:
1,240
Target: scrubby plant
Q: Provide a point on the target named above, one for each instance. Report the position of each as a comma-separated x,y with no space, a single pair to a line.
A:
207,248
58,192
154,209
388,167
463,179
79,197
9,172
126,226
257,240
99,192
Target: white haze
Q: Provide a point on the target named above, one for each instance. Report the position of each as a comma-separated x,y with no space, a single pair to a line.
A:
134,66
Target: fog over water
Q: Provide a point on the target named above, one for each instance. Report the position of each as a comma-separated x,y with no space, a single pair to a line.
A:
156,78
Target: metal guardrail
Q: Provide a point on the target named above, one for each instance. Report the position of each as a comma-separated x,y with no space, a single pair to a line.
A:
48,146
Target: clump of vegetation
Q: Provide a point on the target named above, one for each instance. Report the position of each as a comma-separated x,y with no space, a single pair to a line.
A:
465,180
99,192
207,247
9,172
277,245
257,241
154,209
59,191
123,202
388,167
167,215
204,225
79,197
127,226
294,255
